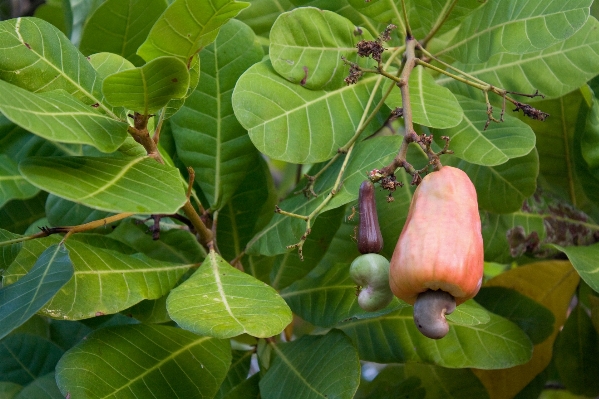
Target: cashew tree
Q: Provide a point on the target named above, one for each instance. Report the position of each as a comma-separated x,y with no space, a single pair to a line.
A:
200,199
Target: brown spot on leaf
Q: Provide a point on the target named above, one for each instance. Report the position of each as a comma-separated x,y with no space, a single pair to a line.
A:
28,46
96,105
100,314
174,80
303,81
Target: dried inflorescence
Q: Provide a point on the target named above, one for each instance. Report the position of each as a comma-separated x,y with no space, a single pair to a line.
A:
531,112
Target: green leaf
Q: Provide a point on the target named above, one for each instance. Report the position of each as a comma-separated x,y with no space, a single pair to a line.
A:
58,116
559,146
148,88
207,135
163,362
53,12
439,382
575,61
41,388
248,211
139,185
533,318
131,277
262,14
432,105
9,390
493,146
17,215
21,300
327,297
386,385
76,13
468,315
33,54
108,63
307,47
120,27
291,123
221,301
12,184
238,372
283,230
502,188
313,367
422,14
248,389
188,26
175,245
61,212
394,338
8,253
289,267
26,357
584,261
516,27
18,144
576,354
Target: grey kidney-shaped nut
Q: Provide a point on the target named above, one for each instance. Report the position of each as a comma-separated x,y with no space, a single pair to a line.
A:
430,309
371,272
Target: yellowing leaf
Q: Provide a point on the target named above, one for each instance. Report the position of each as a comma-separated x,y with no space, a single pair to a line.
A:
551,283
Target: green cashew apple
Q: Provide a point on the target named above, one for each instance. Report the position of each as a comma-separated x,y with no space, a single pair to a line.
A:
371,272
440,250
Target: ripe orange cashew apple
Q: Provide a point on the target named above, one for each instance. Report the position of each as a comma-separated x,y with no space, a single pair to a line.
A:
437,263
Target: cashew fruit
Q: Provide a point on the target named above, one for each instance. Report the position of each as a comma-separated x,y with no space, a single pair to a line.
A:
440,246
371,272
370,239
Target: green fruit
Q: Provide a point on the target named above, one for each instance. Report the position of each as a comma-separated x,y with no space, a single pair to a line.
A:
371,272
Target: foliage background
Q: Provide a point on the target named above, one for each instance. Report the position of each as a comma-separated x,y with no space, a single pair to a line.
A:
110,312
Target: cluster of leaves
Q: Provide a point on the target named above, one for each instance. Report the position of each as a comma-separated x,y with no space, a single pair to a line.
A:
241,92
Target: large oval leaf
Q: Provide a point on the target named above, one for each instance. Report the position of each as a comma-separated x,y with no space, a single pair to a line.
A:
21,300
148,88
494,146
422,14
313,367
291,123
26,357
432,105
517,27
139,185
395,339
221,301
207,135
307,46
41,388
58,116
128,22
584,260
132,277
526,73
502,188
33,54
550,283
533,318
577,354
187,26
144,361
12,184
